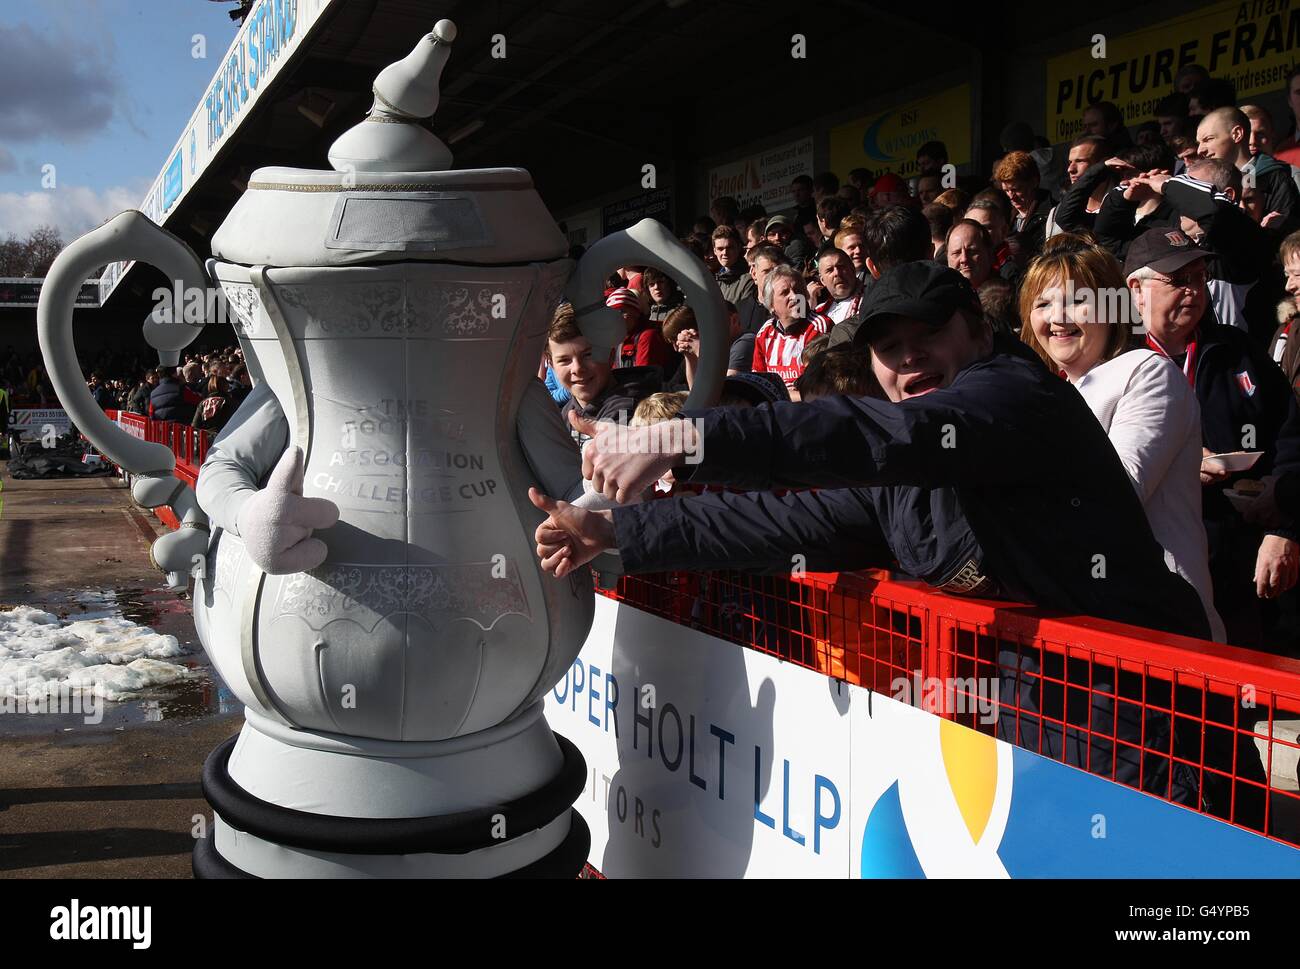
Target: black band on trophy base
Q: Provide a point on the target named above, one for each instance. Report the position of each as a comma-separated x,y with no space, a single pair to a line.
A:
565,860
449,834
208,865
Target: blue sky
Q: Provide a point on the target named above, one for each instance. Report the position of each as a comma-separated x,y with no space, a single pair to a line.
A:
100,89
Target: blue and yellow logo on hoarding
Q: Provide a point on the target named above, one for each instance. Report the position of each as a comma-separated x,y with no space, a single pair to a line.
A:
887,141
967,804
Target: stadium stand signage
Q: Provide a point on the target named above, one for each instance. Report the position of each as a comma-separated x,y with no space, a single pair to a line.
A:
1252,44
656,204
764,177
25,292
887,141
272,31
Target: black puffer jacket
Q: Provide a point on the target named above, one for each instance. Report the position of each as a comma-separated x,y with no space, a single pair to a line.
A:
168,402
1035,478
1246,405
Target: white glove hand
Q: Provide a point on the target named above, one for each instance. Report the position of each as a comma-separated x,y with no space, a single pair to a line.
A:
276,523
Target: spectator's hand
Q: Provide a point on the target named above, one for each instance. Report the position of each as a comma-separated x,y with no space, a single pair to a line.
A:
276,523
1119,164
1262,509
571,536
1211,474
1276,566
816,292
1153,180
621,462
1272,219
1135,191
688,343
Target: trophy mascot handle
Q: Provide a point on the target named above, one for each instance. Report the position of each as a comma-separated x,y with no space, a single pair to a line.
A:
129,236
648,243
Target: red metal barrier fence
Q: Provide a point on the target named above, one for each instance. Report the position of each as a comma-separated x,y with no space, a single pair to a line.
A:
188,444
1160,712
1148,709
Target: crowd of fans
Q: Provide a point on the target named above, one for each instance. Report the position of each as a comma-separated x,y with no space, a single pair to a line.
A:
204,391
1156,270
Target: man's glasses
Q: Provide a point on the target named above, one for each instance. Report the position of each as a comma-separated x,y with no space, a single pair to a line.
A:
1187,279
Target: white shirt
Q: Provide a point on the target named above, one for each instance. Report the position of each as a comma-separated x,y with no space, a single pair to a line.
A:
1151,415
840,310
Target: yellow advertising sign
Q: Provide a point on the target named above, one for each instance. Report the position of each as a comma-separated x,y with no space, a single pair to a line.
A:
887,141
1252,43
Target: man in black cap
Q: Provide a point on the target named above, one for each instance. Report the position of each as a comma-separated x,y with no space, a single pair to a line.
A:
1246,405
789,238
981,473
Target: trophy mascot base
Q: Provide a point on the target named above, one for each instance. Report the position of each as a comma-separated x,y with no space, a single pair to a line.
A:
294,803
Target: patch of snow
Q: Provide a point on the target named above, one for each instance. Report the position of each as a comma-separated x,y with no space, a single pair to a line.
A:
108,656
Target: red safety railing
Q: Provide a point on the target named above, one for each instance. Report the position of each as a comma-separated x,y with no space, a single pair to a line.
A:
1208,726
189,444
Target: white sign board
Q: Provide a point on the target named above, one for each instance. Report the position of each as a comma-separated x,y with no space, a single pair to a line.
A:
764,178
704,759
30,423
134,428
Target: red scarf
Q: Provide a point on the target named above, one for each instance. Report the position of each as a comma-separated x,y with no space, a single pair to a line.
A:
1189,365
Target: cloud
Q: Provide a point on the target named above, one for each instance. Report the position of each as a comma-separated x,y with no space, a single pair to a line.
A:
8,163
57,85
72,209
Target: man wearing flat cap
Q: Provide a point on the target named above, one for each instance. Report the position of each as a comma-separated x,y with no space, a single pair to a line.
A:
1246,405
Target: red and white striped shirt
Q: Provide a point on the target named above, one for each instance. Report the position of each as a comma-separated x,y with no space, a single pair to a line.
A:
778,351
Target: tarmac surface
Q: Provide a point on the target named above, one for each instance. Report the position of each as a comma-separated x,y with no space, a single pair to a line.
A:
120,798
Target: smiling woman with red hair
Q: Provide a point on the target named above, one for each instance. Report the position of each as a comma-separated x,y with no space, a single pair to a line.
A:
1074,305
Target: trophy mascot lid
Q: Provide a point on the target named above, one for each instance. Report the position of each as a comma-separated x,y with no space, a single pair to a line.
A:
392,194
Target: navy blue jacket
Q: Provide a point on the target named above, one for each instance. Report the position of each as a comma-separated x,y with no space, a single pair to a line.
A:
1244,394
169,404
1030,486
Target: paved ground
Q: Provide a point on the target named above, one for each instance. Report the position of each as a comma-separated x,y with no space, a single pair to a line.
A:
116,799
